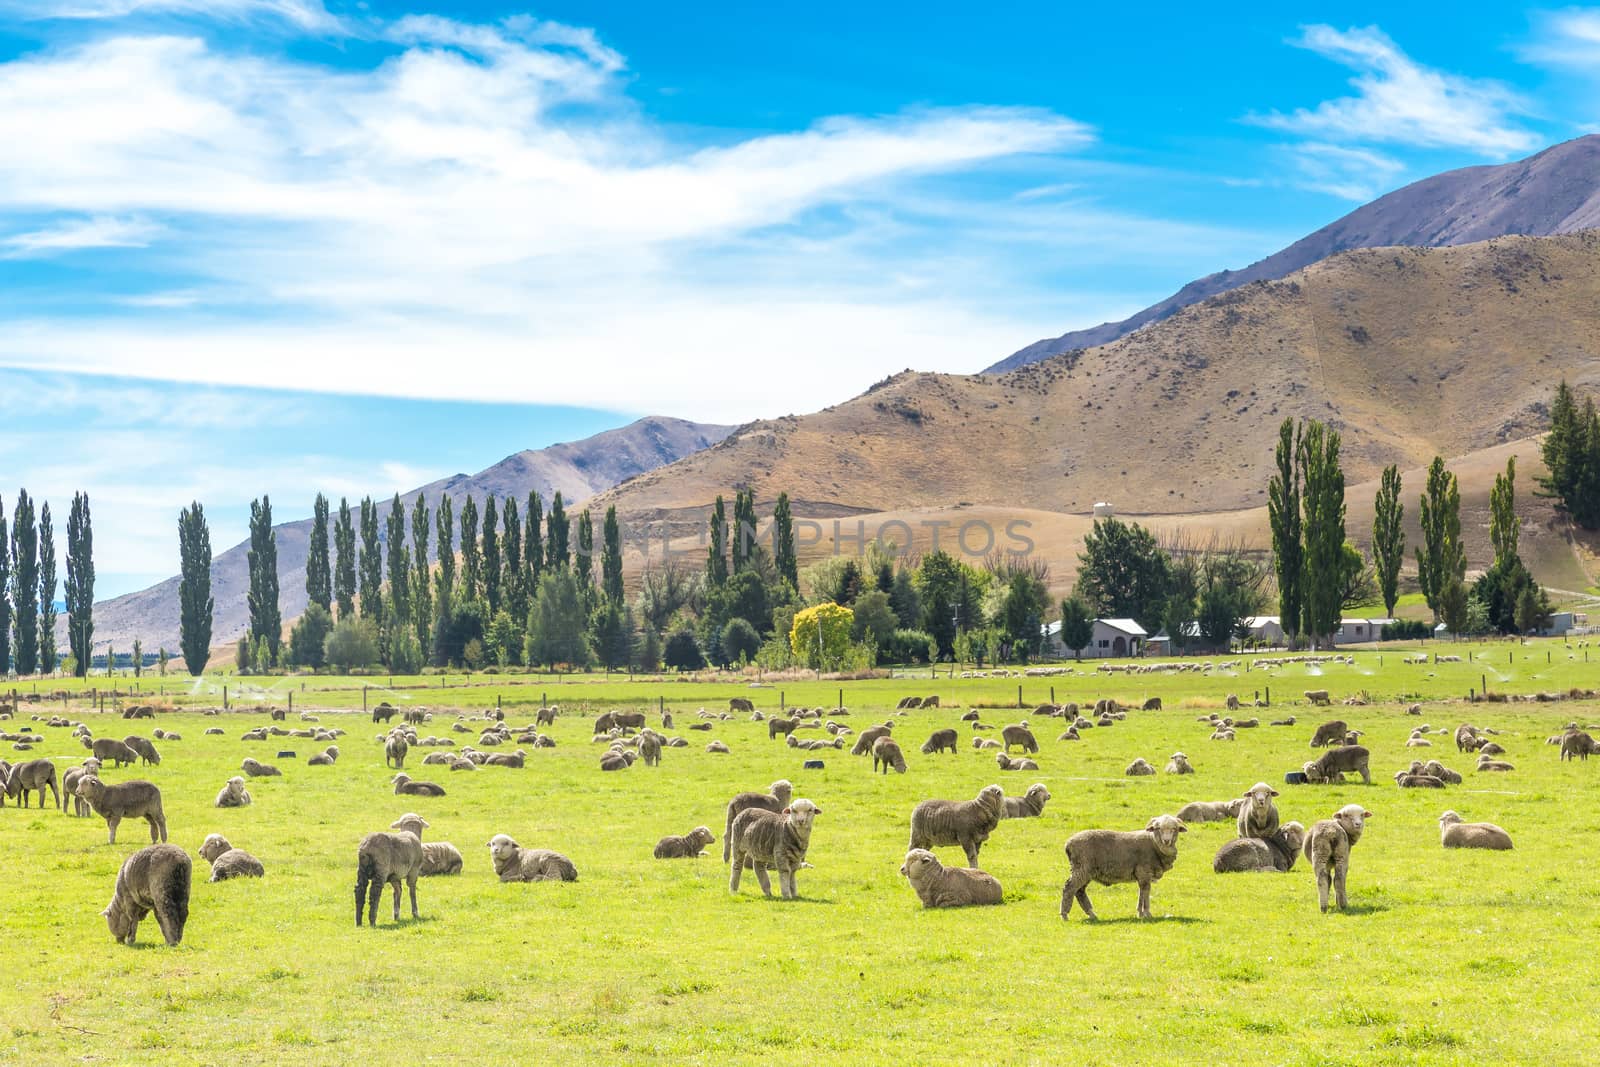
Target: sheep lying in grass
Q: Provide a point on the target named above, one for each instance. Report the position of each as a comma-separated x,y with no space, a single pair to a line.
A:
1328,847
1112,857
1179,764
938,886
234,794
513,863
967,823
1139,768
404,786
259,770
1275,853
1028,806
1007,763
227,861
1069,734
125,800
717,748
1258,815
981,743
775,800
1487,763
326,757
688,846
1210,810
1435,769
155,878
939,741
1453,833
772,839
438,857
387,858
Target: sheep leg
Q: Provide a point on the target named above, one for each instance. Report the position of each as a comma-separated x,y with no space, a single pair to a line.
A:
970,847
169,926
786,884
1339,869
396,883
374,896
111,826
412,884
738,869
761,876
155,834
1144,900
361,892
1324,876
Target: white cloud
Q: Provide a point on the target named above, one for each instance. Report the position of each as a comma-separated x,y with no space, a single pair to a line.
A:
76,234
1567,39
1400,101
305,14
1356,174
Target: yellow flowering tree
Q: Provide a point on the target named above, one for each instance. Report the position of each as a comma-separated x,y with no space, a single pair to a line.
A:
821,635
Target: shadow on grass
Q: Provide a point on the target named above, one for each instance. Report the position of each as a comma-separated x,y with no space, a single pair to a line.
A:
1358,909
1134,920
384,924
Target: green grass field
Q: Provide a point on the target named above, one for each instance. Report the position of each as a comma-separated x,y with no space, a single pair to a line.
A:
1445,957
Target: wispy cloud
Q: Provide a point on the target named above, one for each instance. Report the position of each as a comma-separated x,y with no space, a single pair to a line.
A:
1567,39
1357,174
304,14
1400,101
76,234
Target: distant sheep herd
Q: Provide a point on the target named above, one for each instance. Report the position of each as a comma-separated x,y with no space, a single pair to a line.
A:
771,830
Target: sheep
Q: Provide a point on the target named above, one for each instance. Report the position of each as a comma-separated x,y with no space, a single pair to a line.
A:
394,752
777,725
1284,722
513,863
1020,736
1210,810
866,738
109,750
155,878
384,712
886,753
1318,696
938,886
1487,764
227,861
144,748
1353,737
404,786
136,800
1258,815
326,757
234,794
1438,770
438,857
1467,738
772,839
967,823
938,741
1247,724
387,858
259,770
1028,806
1353,758
1578,743
930,702
514,760
1007,763
718,748
689,846
1329,733
69,787
1407,780
1111,857
1491,749
1453,833
546,717
650,744
1179,764
34,775
740,704
1276,853
1139,768
215,731
1415,709
1233,702
775,800
1328,847
981,743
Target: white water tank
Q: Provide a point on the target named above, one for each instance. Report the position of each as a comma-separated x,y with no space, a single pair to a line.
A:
1103,510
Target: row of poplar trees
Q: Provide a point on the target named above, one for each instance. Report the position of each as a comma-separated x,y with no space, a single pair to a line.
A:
28,588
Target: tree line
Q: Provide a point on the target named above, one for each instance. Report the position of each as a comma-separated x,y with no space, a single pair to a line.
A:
28,583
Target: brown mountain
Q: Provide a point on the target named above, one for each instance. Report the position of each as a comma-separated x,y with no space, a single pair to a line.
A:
577,469
1554,192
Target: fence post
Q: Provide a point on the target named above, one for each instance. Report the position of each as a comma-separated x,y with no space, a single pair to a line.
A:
224,698
1019,696
363,697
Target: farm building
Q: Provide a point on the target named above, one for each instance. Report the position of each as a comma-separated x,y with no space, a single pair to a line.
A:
1113,639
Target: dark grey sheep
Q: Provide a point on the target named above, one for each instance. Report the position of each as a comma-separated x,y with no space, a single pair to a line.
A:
1275,853
125,800
1330,733
940,740
29,776
155,878
1337,761
886,753
1020,736
143,746
386,858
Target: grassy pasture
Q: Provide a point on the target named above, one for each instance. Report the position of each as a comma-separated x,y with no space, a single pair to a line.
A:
1444,958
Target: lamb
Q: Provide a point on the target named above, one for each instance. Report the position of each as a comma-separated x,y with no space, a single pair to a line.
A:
34,775
1318,696
866,738
1111,857
234,794
1284,722
740,704
507,759
1329,733
1179,764
1453,833
438,857
777,725
1009,764
1020,736
1485,763
144,748
1028,806
1578,743
69,786
1353,758
1258,815
938,886
325,758
404,786
1152,704
772,839
690,845
394,752
259,770
886,753
650,745
1491,749
227,861
1139,768
109,750
967,823
1328,847
1276,853
155,878
387,858
1438,770
775,800
940,740
1210,810
1467,738
717,748
513,863
135,799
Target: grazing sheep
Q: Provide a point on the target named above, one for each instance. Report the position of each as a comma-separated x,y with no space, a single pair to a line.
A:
384,712
1351,758
513,863
1453,833
144,748
1210,810
1485,763
1328,847
740,704
1258,815
110,750
1028,806
1467,739
1139,768
930,702
227,861
394,752
1112,857
387,858
1275,853
940,740
1578,743
126,800
404,786
155,878
29,776
689,846
1009,764
938,886
1329,733
438,857
1152,704
1233,702
967,823
886,753
234,794
1318,696
774,800
1179,764
259,770
1020,736
866,738
772,839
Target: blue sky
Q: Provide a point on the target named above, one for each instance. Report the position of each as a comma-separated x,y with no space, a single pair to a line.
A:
582,212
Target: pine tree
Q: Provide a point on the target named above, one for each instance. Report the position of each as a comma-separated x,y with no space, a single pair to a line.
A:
266,624
5,596
24,580
319,575
511,575
584,562
717,554
398,601
611,560
344,573
195,604
1323,506
491,555
533,546
1388,537
1441,559
370,564
444,524
421,581
1503,529
1283,514
1560,444
556,555
783,552
80,583
471,559
47,591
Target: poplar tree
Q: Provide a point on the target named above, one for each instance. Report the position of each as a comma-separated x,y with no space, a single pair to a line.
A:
344,572
371,564
399,570
319,574
556,555
511,574
24,580
266,623
421,584
1441,560
444,524
585,553
1283,515
80,583
1504,532
491,555
717,554
1323,505
471,568
195,604
744,521
783,552
1388,537
47,591
533,545
611,560
5,596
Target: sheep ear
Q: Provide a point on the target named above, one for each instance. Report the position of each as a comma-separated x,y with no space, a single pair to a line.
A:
785,811
1272,792
1182,829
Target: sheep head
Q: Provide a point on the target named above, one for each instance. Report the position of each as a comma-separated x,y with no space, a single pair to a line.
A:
1294,835
501,847
918,861
1166,829
801,812
214,846
1449,818
992,798
1352,817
